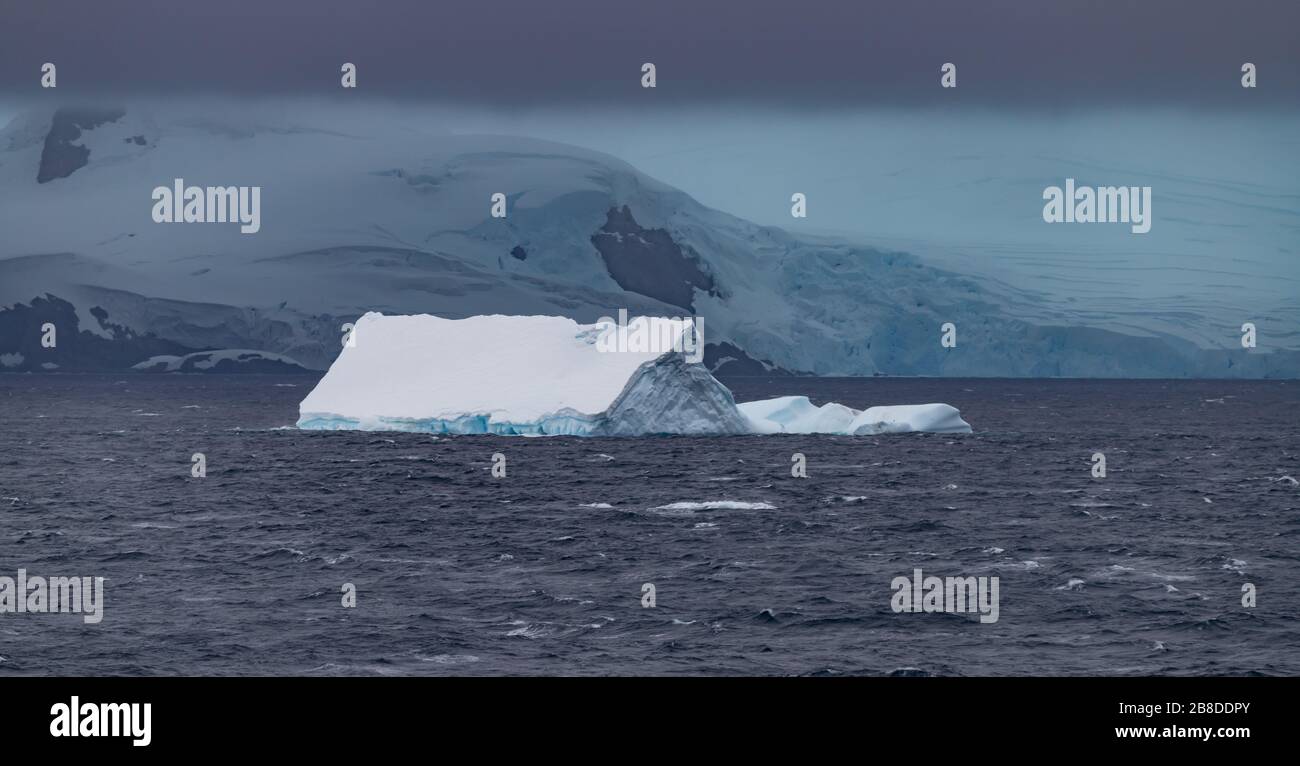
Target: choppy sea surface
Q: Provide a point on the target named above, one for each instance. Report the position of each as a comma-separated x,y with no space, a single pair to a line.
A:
754,571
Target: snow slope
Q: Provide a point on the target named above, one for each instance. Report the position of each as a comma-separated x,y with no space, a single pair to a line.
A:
381,210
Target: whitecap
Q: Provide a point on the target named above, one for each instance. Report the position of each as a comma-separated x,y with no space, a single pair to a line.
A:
716,505
449,659
527,630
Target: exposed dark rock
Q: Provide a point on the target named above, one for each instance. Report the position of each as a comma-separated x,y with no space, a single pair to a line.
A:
725,359
648,261
248,362
519,253
61,157
75,349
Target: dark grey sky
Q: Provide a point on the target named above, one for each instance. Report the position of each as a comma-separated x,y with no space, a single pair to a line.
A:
787,52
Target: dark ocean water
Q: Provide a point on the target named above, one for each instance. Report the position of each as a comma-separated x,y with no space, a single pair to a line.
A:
460,573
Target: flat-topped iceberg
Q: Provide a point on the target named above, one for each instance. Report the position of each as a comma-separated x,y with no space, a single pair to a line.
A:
532,375
905,418
547,375
798,415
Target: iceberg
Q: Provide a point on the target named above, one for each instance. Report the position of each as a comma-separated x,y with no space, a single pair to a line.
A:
519,375
798,415
905,418
549,375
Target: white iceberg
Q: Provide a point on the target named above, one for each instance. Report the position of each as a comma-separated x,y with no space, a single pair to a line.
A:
531,375
798,415
905,418
547,375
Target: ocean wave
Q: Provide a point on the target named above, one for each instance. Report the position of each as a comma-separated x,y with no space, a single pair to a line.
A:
716,505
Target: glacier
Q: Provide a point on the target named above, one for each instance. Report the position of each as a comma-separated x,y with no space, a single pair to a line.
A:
550,376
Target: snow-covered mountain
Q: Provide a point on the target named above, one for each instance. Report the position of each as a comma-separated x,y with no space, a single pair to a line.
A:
364,211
